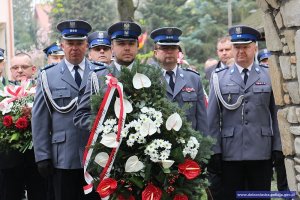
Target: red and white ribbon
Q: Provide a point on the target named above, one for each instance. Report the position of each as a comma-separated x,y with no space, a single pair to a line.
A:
113,84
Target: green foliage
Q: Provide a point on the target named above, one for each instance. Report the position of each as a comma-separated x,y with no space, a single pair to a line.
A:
25,27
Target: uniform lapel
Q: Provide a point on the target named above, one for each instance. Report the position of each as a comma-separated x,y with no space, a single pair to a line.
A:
67,76
236,76
86,72
179,81
253,77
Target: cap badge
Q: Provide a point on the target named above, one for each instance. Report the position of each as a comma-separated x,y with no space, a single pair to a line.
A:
72,24
169,31
101,35
126,27
238,30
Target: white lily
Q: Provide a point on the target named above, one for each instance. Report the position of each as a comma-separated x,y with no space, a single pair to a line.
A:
127,107
133,164
174,122
167,163
110,140
101,159
148,128
141,81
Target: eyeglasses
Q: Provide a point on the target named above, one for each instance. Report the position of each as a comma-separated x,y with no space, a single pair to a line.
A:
23,67
168,47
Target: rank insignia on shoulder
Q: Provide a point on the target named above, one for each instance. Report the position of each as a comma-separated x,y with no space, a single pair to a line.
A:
220,69
48,66
190,70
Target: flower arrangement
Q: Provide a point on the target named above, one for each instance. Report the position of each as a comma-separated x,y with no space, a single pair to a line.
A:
15,115
151,153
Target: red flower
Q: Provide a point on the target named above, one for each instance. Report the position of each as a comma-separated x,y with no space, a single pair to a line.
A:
180,197
151,193
121,197
190,169
7,120
22,123
107,187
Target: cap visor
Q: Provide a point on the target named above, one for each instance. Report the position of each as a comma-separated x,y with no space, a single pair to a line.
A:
97,45
60,53
74,37
241,42
168,43
125,39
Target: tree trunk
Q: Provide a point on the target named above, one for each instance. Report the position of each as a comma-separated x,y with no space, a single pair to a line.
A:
126,10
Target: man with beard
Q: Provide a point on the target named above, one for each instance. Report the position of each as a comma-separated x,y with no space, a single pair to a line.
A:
124,38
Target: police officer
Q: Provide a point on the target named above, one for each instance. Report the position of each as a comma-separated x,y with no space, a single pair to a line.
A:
58,144
242,118
99,47
18,170
54,53
184,85
124,45
2,64
224,52
263,56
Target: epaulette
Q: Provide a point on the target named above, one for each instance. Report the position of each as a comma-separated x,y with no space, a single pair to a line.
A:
98,66
190,70
264,66
48,66
219,69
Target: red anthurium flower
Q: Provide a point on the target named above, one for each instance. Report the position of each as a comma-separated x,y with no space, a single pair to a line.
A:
151,193
180,197
190,169
7,120
107,187
22,123
121,197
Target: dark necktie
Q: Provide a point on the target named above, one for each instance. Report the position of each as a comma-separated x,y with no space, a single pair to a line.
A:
245,71
77,75
171,82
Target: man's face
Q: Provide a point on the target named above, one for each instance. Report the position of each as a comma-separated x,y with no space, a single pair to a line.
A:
100,54
244,54
224,51
124,51
167,55
55,58
22,68
264,62
74,50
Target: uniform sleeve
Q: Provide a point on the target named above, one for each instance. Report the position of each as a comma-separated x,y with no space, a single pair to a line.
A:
276,143
201,110
41,126
82,116
213,118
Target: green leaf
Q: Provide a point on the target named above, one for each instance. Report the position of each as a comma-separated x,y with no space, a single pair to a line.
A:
138,181
14,137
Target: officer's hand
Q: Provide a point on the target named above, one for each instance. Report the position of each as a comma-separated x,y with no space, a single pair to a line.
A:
277,158
45,168
215,164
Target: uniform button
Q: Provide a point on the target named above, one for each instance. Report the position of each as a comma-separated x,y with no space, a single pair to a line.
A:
80,93
246,101
246,91
246,122
246,112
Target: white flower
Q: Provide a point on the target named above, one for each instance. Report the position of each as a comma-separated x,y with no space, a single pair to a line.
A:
191,148
152,150
141,81
174,122
5,107
110,140
133,164
144,110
